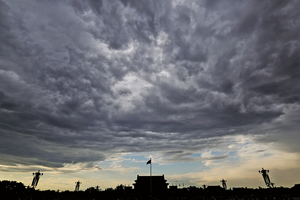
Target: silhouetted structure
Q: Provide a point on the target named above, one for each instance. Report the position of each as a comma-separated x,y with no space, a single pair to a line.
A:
128,188
173,187
266,177
77,185
14,190
224,184
150,162
142,184
36,178
214,189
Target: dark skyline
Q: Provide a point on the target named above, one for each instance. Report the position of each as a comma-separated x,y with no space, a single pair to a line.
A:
91,90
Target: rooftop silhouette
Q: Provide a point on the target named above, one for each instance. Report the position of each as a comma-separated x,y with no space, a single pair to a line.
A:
148,184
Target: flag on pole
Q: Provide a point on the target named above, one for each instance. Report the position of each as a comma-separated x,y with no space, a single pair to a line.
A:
149,162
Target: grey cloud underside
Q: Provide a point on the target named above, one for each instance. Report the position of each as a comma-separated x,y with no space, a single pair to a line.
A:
81,80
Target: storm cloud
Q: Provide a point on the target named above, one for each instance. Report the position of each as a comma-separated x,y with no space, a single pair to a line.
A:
83,80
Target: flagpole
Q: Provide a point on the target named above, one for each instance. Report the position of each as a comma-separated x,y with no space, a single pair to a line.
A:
150,176
151,168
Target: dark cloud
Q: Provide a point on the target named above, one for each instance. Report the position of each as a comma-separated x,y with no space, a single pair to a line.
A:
82,80
282,132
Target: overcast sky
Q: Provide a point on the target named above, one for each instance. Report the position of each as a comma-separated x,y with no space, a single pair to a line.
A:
90,90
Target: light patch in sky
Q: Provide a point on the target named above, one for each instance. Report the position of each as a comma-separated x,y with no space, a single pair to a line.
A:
130,91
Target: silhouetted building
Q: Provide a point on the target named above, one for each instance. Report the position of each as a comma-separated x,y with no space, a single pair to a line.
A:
215,189
128,188
296,190
158,184
173,187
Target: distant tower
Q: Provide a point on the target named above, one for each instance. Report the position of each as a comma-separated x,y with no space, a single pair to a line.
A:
77,185
266,177
224,184
36,178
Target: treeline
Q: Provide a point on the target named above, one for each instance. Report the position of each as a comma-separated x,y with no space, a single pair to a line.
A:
12,190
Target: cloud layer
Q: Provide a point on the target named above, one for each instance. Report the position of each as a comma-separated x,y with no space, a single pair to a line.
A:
81,81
